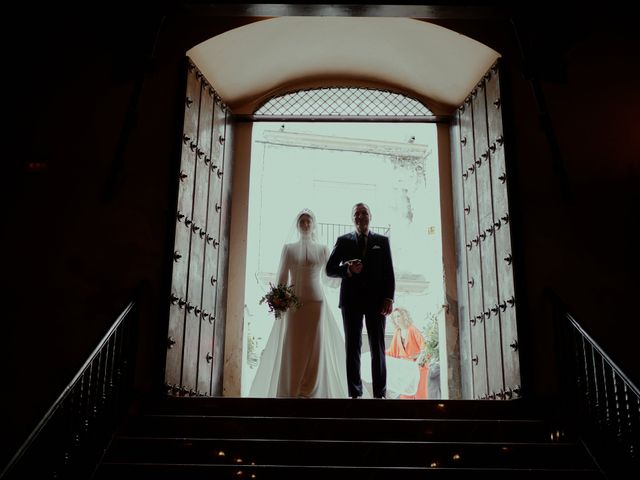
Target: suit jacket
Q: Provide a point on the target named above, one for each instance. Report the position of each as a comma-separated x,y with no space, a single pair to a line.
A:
376,281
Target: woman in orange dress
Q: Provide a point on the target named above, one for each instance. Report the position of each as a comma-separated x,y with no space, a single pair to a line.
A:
407,343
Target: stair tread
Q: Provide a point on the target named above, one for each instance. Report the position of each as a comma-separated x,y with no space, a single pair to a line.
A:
347,407
320,472
347,467
341,419
346,428
314,438
320,440
341,452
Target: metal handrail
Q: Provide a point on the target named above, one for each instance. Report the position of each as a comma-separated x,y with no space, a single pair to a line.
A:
602,399
64,440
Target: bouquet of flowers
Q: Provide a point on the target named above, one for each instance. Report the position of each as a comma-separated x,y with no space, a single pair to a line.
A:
280,298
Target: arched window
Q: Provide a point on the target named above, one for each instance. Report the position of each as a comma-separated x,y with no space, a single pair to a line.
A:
343,102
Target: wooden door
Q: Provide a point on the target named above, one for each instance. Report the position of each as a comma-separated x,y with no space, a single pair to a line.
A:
486,298
200,266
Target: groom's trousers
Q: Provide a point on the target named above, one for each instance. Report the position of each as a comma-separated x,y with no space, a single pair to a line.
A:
352,316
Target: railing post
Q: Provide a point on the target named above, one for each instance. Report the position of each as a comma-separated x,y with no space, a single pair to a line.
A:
601,401
70,438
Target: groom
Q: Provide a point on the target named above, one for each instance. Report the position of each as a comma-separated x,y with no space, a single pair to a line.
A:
363,260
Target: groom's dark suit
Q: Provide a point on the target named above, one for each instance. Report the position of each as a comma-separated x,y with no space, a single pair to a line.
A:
363,294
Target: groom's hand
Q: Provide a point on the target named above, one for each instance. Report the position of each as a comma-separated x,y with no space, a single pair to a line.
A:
387,306
354,266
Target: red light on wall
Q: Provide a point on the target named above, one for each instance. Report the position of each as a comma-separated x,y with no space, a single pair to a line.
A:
36,166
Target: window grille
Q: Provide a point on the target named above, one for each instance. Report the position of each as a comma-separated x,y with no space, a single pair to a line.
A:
343,102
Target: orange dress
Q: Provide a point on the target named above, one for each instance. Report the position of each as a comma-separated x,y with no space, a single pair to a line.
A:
410,348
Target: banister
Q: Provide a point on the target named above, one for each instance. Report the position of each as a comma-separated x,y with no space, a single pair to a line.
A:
603,401
109,359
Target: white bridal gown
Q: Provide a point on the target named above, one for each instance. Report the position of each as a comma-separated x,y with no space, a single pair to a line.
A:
304,355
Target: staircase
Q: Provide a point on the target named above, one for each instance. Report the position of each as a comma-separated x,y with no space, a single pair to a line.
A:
197,438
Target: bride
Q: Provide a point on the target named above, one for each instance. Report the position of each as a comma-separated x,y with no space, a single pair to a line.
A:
304,355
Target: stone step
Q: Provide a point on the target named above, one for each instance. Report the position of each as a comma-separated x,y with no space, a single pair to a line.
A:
226,451
118,471
328,428
302,439
347,408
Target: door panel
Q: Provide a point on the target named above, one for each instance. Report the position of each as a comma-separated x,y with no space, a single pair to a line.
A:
182,239
194,317
458,142
486,244
212,248
193,322
226,174
473,260
504,254
483,246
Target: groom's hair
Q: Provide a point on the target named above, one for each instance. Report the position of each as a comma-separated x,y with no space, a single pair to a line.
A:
353,210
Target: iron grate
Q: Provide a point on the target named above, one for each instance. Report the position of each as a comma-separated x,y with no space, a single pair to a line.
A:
343,102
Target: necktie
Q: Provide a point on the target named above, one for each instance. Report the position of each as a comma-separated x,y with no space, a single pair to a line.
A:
361,245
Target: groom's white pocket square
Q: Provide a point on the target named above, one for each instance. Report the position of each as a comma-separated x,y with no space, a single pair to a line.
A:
376,247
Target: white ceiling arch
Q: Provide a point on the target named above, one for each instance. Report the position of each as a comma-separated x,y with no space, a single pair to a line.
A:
436,65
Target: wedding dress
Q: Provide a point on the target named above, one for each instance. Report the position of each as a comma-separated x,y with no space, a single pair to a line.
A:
305,354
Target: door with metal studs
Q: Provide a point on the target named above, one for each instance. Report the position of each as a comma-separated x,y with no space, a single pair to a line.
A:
489,354
197,303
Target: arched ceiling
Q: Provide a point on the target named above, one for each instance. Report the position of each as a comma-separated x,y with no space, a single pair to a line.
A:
438,66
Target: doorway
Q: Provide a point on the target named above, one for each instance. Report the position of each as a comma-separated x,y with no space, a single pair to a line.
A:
328,167
401,60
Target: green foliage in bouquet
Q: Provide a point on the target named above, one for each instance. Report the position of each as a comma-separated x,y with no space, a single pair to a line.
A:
280,298
430,352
